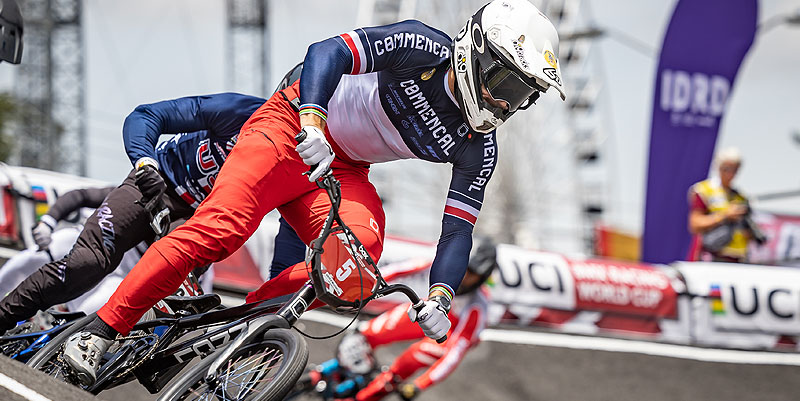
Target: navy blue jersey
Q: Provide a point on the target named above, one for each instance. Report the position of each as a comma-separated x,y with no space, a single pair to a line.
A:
205,129
384,92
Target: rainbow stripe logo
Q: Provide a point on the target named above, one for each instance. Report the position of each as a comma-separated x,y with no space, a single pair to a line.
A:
715,296
40,201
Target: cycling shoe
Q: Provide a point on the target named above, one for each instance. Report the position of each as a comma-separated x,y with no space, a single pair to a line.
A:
82,352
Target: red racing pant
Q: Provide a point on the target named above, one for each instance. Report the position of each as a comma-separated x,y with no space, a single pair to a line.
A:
440,359
263,172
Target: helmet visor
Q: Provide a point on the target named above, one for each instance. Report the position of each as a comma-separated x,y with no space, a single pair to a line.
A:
504,84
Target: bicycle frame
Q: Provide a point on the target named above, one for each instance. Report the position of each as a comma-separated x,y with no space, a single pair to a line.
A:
39,339
166,362
315,288
242,324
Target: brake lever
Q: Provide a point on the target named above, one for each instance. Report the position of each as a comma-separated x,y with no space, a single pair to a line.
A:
159,221
156,224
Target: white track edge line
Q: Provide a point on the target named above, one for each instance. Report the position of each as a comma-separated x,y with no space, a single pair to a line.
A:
641,347
21,389
608,344
598,343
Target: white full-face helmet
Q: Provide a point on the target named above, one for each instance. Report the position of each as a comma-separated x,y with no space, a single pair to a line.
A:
511,49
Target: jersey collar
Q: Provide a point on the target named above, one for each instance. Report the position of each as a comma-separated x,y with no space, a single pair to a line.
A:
447,88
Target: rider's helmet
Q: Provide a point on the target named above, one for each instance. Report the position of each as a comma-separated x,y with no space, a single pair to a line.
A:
10,32
355,354
482,262
511,49
290,77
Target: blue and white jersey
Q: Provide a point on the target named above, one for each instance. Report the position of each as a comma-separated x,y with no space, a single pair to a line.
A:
384,92
205,128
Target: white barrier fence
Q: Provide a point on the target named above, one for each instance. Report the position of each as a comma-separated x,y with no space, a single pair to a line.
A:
715,304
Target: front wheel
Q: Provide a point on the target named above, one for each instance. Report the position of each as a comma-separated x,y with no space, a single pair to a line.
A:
263,370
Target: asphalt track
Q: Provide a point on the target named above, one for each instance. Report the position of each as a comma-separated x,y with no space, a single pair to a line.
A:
506,371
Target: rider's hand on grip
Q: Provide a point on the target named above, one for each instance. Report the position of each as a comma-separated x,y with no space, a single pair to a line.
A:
43,230
315,151
432,317
150,183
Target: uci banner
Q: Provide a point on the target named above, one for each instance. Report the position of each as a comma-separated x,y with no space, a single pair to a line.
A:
704,45
534,279
744,299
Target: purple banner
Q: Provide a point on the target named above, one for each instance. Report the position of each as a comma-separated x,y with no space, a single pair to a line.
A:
704,45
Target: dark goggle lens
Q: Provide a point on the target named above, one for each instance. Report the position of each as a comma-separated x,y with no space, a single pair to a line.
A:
504,84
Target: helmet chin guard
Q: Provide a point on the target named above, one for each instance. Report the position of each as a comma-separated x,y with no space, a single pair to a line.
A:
10,32
509,49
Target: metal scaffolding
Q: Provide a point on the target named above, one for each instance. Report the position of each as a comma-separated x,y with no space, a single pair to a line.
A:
49,85
584,123
247,47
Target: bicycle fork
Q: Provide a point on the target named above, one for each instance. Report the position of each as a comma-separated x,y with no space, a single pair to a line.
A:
285,318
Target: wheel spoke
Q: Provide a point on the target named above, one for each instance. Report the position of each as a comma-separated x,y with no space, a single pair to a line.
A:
241,376
265,367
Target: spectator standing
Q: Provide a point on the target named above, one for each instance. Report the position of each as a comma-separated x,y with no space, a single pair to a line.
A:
719,214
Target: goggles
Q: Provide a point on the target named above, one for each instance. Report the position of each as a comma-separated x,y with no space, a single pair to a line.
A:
506,85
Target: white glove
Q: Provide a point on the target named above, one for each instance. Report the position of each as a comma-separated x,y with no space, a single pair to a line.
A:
432,318
315,150
43,230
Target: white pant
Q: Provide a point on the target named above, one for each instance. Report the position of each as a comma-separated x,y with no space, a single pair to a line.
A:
23,264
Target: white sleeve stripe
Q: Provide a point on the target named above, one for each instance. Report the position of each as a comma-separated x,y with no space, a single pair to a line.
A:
360,50
371,56
466,196
463,206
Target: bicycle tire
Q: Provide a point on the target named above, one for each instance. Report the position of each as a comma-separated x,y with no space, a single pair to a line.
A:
294,358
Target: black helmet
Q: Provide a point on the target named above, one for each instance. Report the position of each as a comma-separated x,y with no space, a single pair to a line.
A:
10,32
482,262
290,77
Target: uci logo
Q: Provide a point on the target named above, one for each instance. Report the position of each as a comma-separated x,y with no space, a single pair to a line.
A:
552,283
747,302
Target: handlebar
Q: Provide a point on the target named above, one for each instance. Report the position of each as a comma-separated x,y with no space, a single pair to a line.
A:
416,302
328,185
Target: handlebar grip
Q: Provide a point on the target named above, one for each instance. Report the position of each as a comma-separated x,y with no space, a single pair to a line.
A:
300,137
418,304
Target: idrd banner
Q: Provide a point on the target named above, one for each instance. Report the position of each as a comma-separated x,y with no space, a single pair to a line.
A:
704,45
